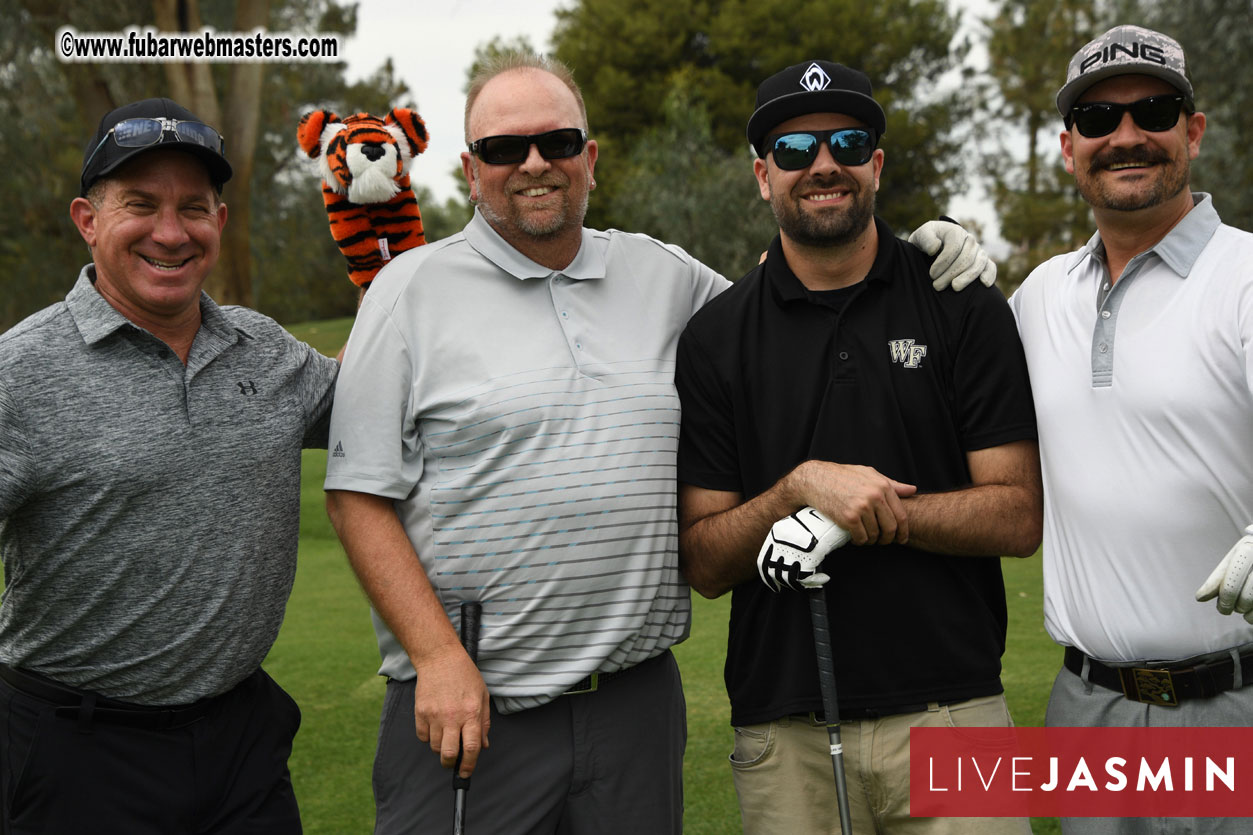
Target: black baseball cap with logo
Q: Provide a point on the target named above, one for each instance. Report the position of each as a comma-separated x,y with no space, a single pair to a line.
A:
813,87
147,125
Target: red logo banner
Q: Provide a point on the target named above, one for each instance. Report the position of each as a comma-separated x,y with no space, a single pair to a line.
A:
1081,772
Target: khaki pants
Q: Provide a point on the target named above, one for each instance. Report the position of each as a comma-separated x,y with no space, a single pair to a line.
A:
784,779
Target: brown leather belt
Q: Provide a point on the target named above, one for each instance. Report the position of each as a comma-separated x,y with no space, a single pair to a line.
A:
1165,684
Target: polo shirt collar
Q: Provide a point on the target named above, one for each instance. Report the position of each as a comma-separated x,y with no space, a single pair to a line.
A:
787,287
96,319
1182,245
487,242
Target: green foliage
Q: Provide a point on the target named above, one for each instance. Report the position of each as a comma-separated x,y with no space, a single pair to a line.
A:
683,187
1030,43
1216,36
629,57
443,219
42,134
50,109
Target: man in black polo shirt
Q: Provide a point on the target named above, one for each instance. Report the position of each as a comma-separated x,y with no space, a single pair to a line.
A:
833,375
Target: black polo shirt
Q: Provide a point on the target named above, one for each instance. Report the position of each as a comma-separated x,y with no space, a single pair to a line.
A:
890,374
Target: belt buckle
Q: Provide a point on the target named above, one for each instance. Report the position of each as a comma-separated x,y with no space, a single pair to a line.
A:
594,683
1150,687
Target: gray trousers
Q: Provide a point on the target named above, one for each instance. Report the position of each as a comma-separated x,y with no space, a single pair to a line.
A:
604,762
1075,702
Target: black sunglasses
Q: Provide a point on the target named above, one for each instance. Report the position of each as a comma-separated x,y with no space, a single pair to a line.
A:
511,148
798,149
1101,118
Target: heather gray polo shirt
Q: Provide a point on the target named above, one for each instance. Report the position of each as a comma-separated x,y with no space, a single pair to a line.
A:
149,511
525,421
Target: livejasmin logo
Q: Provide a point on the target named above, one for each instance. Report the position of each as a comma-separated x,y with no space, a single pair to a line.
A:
1081,772
1023,773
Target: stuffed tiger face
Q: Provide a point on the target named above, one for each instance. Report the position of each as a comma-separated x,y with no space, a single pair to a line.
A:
363,156
364,163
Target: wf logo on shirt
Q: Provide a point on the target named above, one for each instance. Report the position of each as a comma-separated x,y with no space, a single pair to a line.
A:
906,352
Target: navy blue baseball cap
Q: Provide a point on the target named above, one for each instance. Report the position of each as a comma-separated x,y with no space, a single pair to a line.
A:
141,126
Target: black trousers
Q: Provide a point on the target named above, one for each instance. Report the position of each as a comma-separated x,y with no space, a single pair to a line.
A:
73,771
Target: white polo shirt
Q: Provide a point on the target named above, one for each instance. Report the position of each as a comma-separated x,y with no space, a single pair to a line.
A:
1145,411
525,421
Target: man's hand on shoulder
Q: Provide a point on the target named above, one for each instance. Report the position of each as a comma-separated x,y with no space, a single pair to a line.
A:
959,260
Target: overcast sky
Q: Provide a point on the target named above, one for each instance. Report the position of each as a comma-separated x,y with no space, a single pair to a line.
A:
432,43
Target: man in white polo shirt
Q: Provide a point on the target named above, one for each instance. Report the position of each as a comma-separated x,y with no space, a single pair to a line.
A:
1140,348
506,432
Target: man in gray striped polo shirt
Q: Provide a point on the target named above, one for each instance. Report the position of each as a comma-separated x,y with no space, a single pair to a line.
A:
505,432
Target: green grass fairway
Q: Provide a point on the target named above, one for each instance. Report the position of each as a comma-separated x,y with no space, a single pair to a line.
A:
326,657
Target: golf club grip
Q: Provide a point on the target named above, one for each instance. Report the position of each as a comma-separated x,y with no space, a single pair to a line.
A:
830,705
822,648
471,623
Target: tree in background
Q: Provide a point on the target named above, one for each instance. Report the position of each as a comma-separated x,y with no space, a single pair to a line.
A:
1217,37
1030,43
682,187
629,58
277,251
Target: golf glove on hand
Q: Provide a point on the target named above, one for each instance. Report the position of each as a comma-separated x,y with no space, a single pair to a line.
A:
795,548
960,260
1232,580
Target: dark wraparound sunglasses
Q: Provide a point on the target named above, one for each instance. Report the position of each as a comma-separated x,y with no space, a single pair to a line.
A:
798,149
510,148
1101,118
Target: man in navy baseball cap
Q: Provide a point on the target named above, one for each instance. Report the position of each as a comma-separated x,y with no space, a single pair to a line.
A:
150,455
141,126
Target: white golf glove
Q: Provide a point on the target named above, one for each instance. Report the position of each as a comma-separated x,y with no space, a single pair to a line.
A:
960,260
1232,580
795,547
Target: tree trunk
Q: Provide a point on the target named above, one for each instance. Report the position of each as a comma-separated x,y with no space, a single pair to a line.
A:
241,124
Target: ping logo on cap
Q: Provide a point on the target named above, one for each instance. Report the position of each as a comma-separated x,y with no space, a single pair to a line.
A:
1124,53
815,79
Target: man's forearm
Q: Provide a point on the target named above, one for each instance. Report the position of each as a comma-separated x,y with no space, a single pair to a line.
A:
719,551
987,520
1000,514
388,569
719,538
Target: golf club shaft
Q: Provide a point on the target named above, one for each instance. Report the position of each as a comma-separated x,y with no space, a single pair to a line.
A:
471,617
830,706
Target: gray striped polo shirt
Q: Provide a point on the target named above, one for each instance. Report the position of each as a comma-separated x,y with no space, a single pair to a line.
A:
525,422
